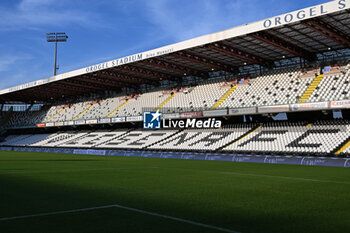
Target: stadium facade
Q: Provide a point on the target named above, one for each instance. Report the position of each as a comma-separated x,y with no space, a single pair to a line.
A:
279,87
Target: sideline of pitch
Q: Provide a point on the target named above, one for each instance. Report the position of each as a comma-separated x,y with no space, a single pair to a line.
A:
259,175
285,177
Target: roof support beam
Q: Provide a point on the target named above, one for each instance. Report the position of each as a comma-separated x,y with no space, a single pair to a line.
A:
328,31
57,86
48,92
125,80
50,89
282,44
40,93
306,35
171,67
99,82
127,69
161,75
78,84
199,60
237,53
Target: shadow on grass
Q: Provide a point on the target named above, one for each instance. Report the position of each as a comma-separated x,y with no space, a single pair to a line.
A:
216,200
52,160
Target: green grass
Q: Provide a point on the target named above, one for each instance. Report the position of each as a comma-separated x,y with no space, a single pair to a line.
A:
243,197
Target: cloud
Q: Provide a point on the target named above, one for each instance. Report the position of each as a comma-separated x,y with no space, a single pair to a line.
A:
17,69
16,79
188,19
33,4
33,14
184,19
6,62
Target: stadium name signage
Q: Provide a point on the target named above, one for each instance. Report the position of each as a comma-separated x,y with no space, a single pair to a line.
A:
116,62
302,14
192,123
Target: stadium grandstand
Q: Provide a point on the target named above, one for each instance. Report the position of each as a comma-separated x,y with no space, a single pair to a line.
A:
280,87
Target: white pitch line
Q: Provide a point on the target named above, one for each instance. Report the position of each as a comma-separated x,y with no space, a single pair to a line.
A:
125,208
56,212
284,177
259,175
177,219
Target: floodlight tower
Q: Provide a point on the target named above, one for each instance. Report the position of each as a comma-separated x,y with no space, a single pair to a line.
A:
56,37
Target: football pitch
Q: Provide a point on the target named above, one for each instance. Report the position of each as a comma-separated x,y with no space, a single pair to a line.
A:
42,192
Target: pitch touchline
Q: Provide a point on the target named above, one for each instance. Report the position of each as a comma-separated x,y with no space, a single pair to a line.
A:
122,207
285,177
260,175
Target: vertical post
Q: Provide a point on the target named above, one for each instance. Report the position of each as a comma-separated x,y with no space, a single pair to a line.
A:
55,67
56,37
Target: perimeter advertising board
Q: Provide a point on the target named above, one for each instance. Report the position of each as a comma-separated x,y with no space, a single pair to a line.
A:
242,111
309,106
79,122
171,116
134,118
213,113
190,114
104,121
118,119
272,109
69,123
91,122
89,152
340,104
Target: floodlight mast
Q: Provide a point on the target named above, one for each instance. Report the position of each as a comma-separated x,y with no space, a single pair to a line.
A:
56,37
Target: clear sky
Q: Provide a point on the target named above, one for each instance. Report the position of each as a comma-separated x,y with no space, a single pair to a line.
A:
101,30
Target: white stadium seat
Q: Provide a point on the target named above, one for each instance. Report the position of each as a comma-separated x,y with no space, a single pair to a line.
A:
320,138
275,87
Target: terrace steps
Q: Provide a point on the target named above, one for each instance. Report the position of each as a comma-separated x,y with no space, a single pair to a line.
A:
223,98
314,84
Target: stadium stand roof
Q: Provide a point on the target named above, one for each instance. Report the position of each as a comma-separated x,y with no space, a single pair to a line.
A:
300,34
